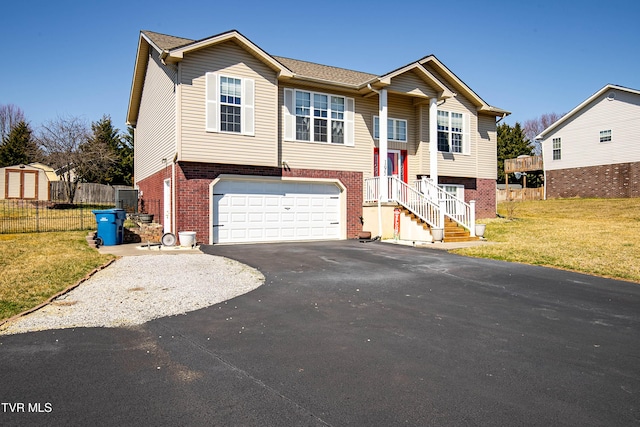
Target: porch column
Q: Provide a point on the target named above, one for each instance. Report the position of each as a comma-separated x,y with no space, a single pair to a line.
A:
382,146
433,139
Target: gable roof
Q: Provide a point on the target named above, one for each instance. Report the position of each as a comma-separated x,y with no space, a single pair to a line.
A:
164,41
172,50
586,102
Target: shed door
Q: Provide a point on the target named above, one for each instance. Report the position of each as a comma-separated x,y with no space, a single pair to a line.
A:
21,184
271,211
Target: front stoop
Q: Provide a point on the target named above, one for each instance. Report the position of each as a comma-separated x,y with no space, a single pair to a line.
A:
453,232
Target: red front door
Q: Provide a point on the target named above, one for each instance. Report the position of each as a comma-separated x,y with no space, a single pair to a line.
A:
396,163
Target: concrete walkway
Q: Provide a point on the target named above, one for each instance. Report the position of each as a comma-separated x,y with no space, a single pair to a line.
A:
137,249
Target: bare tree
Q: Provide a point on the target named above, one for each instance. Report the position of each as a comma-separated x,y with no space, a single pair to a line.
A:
10,116
60,139
532,128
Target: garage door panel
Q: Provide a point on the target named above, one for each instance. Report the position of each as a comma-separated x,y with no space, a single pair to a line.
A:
255,217
255,211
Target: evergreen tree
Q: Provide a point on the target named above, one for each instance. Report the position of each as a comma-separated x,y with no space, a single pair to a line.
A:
99,153
122,171
512,143
18,147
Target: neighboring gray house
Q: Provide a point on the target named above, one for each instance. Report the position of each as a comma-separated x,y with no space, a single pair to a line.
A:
594,150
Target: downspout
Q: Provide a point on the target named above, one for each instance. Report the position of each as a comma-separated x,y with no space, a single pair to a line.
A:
379,177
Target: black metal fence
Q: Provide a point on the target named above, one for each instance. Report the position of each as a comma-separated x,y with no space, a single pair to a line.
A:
31,216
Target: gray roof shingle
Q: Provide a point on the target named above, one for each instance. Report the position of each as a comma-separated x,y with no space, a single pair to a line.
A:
166,42
325,72
300,68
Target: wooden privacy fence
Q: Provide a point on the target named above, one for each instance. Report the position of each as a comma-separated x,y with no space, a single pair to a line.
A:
85,193
520,194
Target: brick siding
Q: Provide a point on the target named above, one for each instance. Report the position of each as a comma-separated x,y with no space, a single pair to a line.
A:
483,191
152,193
606,181
192,191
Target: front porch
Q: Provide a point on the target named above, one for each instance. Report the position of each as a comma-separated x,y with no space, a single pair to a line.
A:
421,212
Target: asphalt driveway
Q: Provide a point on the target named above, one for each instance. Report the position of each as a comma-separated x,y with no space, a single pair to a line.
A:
346,333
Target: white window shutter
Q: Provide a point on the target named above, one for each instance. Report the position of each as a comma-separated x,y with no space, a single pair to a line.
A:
248,107
466,136
289,116
349,119
211,107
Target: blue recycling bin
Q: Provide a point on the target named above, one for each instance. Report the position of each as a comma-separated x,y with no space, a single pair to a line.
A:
110,224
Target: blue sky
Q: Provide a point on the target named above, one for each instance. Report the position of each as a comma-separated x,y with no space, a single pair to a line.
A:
76,58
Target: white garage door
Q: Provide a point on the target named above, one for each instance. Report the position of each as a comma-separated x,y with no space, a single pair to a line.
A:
271,211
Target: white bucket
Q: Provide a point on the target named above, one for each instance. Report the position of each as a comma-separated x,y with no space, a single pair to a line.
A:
187,238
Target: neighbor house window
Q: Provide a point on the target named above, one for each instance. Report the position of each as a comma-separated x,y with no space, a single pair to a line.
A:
452,132
396,129
319,117
605,135
557,149
229,104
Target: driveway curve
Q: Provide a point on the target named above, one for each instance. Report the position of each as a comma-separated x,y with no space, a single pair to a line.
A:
349,333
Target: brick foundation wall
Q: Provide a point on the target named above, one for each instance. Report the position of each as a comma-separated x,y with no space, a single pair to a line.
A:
606,181
152,197
192,192
483,191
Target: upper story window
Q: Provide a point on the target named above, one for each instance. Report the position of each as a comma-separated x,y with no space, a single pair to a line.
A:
453,132
557,149
396,129
229,104
318,117
605,135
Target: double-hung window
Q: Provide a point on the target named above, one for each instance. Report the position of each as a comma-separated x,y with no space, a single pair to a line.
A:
229,104
318,117
453,132
605,135
557,148
396,129
324,114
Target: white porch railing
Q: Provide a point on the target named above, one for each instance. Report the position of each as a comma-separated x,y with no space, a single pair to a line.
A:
399,192
455,208
426,200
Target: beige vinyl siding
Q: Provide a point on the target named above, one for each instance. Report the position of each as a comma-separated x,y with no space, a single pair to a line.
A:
155,130
228,59
325,156
580,135
487,147
457,164
411,84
